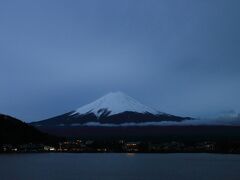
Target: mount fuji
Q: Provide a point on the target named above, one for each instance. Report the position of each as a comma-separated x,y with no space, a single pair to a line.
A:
113,109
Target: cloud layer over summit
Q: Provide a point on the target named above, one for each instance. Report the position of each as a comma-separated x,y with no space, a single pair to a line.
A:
181,57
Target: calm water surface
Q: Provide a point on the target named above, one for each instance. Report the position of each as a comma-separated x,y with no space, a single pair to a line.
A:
119,167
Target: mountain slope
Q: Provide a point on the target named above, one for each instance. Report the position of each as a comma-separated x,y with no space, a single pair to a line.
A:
113,108
13,131
115,103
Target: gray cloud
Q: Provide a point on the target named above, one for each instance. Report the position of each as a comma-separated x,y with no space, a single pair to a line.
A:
180,57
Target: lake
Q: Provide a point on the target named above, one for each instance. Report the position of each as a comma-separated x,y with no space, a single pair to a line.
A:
119,166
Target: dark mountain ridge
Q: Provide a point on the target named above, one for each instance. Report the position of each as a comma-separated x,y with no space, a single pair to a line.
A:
14,131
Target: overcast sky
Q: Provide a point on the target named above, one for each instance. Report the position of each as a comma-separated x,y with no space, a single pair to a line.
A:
181,57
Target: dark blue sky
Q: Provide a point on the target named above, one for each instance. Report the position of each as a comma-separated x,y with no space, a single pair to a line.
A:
182,57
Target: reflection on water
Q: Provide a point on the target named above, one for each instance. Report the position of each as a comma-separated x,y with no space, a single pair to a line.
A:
119,167
130,154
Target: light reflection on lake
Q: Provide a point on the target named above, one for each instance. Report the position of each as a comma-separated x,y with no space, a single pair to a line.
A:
119,166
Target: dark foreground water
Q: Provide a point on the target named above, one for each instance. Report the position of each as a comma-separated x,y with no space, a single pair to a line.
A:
119,167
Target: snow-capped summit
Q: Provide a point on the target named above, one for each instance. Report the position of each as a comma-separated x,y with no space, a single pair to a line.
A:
114,108
115,103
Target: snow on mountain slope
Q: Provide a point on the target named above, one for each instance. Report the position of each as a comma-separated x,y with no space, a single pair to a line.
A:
113,108
115,103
